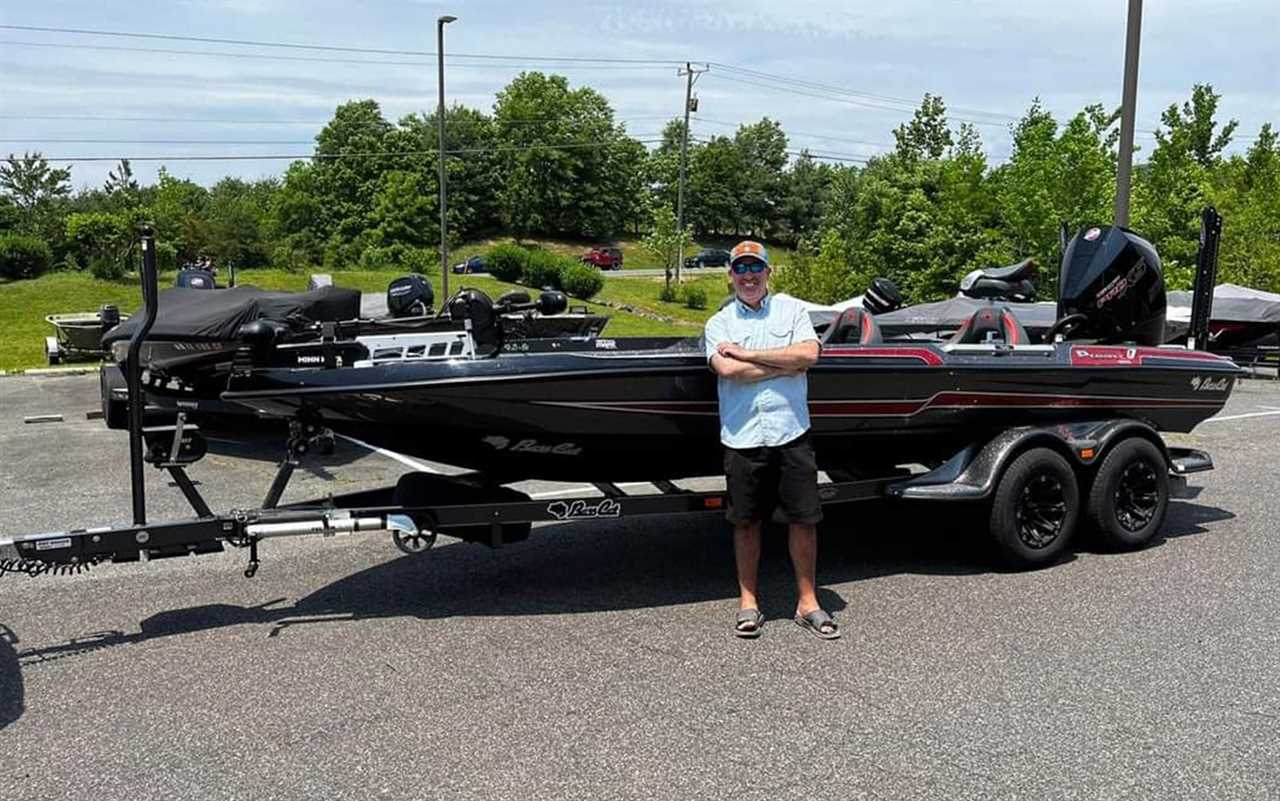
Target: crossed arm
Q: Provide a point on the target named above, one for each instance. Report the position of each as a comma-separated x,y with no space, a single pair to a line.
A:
737,363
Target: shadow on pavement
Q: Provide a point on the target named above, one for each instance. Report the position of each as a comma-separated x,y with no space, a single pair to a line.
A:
11,690
590,567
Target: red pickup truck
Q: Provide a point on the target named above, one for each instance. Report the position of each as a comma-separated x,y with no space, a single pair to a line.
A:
606,258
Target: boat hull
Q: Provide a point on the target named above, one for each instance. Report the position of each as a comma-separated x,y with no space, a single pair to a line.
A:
596,415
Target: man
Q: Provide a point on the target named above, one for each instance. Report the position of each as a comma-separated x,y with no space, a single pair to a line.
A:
760,346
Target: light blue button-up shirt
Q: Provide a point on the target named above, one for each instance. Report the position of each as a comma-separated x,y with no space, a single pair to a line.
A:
774,411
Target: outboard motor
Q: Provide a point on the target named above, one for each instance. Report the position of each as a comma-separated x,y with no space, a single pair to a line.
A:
882,297
195,279
109,315
410,296
1112,288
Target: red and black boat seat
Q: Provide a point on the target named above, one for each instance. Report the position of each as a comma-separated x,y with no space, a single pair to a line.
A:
994,323
853,327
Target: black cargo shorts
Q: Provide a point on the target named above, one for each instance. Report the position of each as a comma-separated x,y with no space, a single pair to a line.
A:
780,481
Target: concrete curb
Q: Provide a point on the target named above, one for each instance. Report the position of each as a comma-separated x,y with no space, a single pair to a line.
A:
80,370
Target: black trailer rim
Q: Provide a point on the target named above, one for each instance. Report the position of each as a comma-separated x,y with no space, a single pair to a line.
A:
1041,510
1137,495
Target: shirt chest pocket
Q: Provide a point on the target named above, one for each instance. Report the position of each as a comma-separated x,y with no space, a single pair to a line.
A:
779,336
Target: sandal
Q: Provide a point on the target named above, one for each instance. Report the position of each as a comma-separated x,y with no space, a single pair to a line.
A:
750,624
820,624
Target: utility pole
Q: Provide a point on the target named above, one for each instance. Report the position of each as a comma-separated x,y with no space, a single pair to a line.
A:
692,74
1128,104
444,237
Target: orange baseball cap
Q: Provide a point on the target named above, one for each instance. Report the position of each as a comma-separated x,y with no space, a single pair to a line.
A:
747,249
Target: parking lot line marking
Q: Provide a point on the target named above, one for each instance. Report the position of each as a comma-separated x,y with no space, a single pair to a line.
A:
1242,416
404,460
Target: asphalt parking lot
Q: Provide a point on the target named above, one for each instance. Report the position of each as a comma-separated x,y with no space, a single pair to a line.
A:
596,660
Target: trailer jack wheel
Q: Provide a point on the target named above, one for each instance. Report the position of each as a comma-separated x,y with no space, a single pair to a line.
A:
414,542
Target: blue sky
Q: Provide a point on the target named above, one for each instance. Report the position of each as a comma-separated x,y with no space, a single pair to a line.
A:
987,60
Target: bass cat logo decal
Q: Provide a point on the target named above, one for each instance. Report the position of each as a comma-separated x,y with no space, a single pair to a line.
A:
532,446
1210,384
582,510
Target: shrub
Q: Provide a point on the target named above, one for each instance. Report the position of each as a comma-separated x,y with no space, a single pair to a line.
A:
23,256
166,257
506,262
695,297
668,293
341,255
581,280
397,257
107,268
542,269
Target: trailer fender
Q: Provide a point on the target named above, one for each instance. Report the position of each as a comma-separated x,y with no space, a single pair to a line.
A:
973,472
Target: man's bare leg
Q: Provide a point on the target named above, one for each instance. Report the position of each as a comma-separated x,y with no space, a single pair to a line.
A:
746,552
803,543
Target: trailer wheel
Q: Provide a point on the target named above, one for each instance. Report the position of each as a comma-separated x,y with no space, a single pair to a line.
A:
1035,508
1130,494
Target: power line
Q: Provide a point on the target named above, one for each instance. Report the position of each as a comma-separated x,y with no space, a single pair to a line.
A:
547,62
330,48
339,156
816,154
790,132
839,98
908,102
317,123
644,137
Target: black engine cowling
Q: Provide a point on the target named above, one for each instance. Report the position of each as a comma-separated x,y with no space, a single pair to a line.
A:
410,296
1112,279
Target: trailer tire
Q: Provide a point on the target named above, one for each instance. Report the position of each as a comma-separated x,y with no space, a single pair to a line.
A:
1035,508
1130,495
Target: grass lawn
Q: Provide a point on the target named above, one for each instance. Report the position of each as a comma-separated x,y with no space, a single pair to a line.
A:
24,304
634,254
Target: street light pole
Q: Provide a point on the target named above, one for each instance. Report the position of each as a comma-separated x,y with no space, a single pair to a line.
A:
444,235
1128,103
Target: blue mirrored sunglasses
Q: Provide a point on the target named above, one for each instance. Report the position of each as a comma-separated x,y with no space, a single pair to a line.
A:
743,267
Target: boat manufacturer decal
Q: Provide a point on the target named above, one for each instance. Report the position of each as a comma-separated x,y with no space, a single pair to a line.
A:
501,443
583,510
1092,234
1122,356
53,545
1204,384
606,344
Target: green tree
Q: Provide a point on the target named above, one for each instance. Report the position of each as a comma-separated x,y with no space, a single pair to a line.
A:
121,188
563,157
177,211
351,154
803,197
237,213
666,240
40,193
1176,182
715,182
762,154
405,211
927,135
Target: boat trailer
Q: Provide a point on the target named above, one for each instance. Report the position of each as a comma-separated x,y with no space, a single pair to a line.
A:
1052,466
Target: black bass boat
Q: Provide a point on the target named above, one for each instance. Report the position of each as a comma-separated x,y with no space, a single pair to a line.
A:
583,408
1045,435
